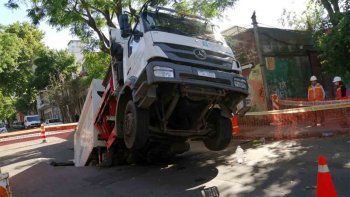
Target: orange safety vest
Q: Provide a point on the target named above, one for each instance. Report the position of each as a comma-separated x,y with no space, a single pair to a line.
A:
339,94
315,93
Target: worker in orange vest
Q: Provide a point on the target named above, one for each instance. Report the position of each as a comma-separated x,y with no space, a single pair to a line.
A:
316,93
340,93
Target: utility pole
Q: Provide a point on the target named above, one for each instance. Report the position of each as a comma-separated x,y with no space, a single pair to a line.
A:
261,59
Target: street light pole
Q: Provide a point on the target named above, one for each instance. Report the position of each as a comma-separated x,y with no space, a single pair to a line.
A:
261,59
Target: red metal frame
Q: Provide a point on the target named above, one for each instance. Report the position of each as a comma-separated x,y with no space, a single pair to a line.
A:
107,109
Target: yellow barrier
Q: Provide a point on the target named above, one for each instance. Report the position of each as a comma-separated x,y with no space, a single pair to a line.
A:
302,109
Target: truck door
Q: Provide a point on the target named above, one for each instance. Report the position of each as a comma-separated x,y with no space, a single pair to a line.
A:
136,45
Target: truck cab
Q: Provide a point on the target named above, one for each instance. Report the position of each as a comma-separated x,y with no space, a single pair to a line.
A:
174,79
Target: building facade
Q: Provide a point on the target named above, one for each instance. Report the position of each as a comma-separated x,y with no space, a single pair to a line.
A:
47,109
290,59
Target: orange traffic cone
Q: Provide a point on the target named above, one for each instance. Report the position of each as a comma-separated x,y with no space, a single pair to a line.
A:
42,131
325,186
235,126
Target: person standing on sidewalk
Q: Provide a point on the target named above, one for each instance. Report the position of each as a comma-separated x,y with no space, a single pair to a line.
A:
340,93
316,93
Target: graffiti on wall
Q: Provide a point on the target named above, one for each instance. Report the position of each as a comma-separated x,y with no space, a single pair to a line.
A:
289,77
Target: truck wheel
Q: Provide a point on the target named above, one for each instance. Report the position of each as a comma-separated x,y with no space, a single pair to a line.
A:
221,137
135,127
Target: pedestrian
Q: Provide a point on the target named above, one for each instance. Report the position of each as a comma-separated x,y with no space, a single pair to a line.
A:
340,92
316,93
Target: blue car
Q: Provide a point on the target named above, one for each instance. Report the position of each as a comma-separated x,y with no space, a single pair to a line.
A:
3,128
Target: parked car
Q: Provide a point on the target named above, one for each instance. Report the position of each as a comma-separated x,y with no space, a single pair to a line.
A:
3,128
53,122
17,125
32,121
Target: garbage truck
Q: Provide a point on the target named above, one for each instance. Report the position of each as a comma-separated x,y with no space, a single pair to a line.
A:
172,79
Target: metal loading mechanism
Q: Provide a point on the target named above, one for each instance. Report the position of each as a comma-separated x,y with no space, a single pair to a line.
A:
185,112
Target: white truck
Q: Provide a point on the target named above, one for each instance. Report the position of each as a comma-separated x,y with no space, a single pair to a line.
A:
32,121
172,78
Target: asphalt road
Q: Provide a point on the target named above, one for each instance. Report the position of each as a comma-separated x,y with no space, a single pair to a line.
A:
282,168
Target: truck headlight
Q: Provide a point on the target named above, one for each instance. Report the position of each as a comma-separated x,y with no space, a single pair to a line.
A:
165,72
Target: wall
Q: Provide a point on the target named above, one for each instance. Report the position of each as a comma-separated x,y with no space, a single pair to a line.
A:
290,60
288,77
256,89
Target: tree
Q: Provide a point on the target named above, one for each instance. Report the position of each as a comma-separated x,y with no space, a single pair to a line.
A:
19,45
68,95
334,46
51,64
87,18
333,40
95,64
10,48
7,110
311,19
329,21
333,8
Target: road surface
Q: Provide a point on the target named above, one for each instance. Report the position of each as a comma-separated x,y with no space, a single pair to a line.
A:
282,168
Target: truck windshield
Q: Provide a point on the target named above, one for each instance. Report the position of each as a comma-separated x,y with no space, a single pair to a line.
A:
33,118
180,25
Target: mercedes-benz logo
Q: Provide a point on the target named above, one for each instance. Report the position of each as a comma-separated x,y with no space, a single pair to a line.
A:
200,54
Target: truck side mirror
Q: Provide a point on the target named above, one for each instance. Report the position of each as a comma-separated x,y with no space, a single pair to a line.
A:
137,35
125,26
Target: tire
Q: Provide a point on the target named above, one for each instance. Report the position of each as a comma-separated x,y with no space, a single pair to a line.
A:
221,137
135,127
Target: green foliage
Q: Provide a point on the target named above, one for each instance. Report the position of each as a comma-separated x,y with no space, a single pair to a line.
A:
67,95
27,66
335,48
10,48
96,65
87,18
329,20
19,44
52,64
7,111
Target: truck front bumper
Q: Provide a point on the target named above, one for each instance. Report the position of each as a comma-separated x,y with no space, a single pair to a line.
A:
188,75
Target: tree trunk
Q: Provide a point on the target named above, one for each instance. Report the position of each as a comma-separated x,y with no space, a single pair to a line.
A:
332,7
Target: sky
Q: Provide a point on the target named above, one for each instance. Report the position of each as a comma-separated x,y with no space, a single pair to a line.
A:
268,12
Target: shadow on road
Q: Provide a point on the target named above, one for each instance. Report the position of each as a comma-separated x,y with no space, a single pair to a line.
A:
284,168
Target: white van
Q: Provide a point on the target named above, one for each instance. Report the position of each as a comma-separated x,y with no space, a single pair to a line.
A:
32,121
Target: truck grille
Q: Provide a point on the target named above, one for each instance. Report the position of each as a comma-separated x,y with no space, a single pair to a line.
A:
196,77
180,53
